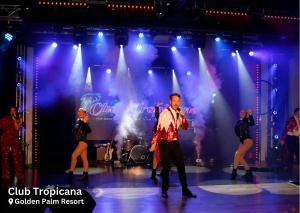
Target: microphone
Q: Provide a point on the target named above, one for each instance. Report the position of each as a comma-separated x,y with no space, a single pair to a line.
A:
178,111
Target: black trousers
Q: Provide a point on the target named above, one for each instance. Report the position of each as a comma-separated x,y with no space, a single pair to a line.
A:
293,149
170,151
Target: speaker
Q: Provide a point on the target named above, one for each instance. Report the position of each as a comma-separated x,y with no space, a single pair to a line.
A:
101,153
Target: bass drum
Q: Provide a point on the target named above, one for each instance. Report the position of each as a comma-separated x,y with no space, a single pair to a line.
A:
139,154
128,144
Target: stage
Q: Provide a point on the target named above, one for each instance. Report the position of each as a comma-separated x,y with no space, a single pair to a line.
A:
210,84
132,190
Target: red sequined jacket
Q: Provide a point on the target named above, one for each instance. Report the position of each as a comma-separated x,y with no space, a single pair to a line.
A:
291,128
10,132
168,125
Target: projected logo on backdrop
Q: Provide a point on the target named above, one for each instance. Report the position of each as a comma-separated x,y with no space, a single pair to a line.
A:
102,108
97,107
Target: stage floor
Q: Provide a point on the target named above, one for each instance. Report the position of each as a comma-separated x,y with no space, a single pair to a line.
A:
131,190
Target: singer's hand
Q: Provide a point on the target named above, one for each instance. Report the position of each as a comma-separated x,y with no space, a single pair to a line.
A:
86,119
181,114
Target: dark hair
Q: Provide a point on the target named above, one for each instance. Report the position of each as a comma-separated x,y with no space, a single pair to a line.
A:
296,110
174,94
13,107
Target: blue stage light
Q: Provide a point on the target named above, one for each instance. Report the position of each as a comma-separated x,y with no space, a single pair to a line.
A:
139,47
75,47
233,54
251,53
108,71
217,39
173,48
100,34
54,45
150,72
178,37
141,35
8,36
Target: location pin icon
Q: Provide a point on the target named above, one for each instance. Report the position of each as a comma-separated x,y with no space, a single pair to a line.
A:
10,201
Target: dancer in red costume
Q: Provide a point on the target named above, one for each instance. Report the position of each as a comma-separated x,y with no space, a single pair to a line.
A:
10,126
290,137
166,138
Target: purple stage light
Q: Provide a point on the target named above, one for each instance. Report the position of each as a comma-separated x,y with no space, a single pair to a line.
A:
188,73
108,71
19,58
150,72
251,53
54,45
139,47
173,48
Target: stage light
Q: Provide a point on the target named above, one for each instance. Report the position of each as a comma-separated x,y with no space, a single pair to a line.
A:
233,54
150,72
188,73
139,47
236,51
108,71
173,48
9,37
19,58
178,37
54,45
75,47
275,112
276,137
214,94
217,39
141,35
251,53
100,34
19,84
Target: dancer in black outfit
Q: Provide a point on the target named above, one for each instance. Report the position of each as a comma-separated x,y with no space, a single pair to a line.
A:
80,132
242,131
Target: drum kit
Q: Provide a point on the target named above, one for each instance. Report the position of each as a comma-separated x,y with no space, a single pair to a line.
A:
134,152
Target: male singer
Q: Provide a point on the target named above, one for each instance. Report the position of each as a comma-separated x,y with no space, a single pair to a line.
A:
166,137
9,143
